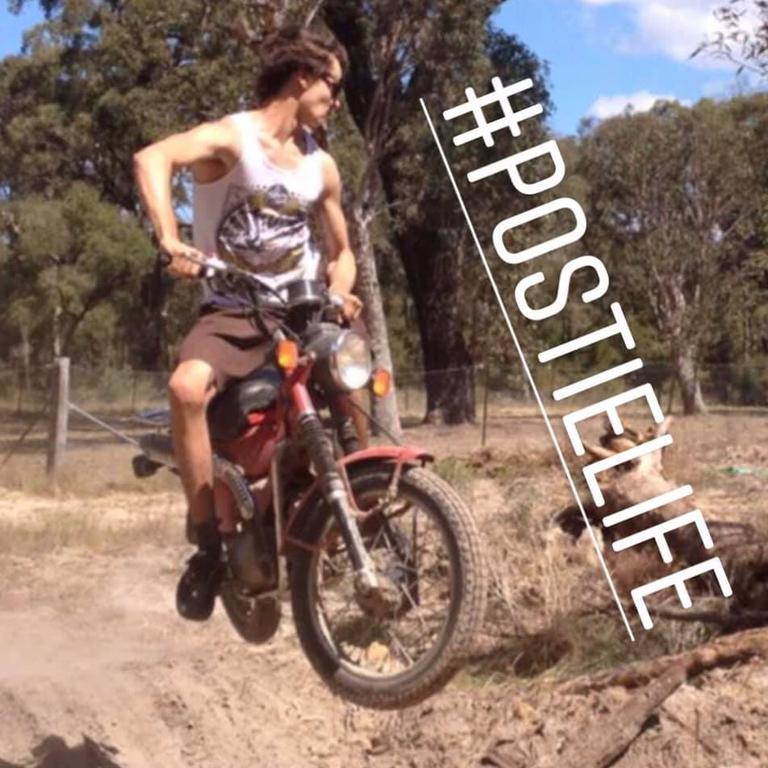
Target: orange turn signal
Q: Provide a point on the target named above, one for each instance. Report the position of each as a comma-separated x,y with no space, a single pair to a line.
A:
382,382
287,354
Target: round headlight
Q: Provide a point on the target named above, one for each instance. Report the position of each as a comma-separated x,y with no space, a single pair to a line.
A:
351,361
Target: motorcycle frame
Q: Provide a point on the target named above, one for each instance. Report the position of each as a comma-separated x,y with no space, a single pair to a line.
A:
294,401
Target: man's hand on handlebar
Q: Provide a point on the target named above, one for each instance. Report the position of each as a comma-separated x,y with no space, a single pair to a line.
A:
175,255
351,306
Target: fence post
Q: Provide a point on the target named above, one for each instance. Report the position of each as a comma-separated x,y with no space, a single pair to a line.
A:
485,407
59,416
133,391
19,390
406,389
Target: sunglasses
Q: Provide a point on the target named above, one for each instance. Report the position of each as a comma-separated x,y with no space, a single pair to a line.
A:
334,85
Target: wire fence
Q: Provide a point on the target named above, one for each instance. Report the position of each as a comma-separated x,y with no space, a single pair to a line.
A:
133,391
498,391
129,400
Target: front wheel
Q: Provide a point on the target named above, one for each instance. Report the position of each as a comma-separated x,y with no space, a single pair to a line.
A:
405,645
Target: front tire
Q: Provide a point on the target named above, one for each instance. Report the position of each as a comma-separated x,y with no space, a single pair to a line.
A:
459,562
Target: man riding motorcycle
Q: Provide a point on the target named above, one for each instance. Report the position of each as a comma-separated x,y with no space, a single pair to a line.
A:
258,175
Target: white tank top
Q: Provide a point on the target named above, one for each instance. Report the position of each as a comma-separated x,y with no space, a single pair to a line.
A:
256,216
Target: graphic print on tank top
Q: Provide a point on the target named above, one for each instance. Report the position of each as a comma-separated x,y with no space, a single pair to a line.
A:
263,229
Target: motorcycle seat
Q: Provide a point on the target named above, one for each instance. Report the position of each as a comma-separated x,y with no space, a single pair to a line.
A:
228,411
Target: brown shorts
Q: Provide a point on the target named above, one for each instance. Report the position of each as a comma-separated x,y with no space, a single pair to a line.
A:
228,341
231,344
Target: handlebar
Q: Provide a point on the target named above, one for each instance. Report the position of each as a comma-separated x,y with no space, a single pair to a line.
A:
210,266
213,266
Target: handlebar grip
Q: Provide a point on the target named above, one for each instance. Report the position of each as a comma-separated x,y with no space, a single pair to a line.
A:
204,271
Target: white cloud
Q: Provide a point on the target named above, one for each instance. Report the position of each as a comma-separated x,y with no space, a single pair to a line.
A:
641,101
674,28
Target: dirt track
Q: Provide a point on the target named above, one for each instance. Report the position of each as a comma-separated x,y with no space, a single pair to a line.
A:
92,648
97,670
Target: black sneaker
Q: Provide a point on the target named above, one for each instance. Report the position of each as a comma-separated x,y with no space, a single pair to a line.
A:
199,584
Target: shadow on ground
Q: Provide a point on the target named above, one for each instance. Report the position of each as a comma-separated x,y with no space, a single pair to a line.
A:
53,752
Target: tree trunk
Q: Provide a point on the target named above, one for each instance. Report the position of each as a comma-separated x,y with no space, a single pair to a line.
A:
367,286
434,280
449,368
690,387
673,324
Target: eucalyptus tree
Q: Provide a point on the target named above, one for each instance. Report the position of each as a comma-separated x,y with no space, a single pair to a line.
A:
673,197
65,261
99,79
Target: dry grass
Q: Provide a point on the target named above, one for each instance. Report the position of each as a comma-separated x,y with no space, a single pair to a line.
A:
87,472
551,614
51,530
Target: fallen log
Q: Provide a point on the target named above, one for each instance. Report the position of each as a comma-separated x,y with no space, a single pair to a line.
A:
611,735
724,651
658,679
725,619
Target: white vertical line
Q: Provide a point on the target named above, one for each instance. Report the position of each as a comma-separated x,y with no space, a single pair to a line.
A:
528,373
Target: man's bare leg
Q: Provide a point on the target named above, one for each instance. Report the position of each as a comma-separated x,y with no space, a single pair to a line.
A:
190,388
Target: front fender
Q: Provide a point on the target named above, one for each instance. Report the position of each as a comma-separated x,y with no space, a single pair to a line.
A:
400,454
394,455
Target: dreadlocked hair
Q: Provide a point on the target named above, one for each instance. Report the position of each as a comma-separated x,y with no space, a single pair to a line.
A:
295,49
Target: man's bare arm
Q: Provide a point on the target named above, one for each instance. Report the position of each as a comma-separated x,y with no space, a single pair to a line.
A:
342,270
154,167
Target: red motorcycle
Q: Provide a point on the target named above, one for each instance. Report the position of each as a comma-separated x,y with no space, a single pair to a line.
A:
381,558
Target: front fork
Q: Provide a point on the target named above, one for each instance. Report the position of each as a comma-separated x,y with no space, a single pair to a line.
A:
334,490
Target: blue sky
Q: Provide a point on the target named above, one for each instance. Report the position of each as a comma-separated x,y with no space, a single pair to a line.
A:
603,54
12,27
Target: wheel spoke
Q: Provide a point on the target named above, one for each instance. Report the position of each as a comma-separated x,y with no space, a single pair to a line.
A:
396,640
415,608
410,554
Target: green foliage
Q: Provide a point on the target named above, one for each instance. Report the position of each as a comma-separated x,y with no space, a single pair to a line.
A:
675,210
65,260
98,80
